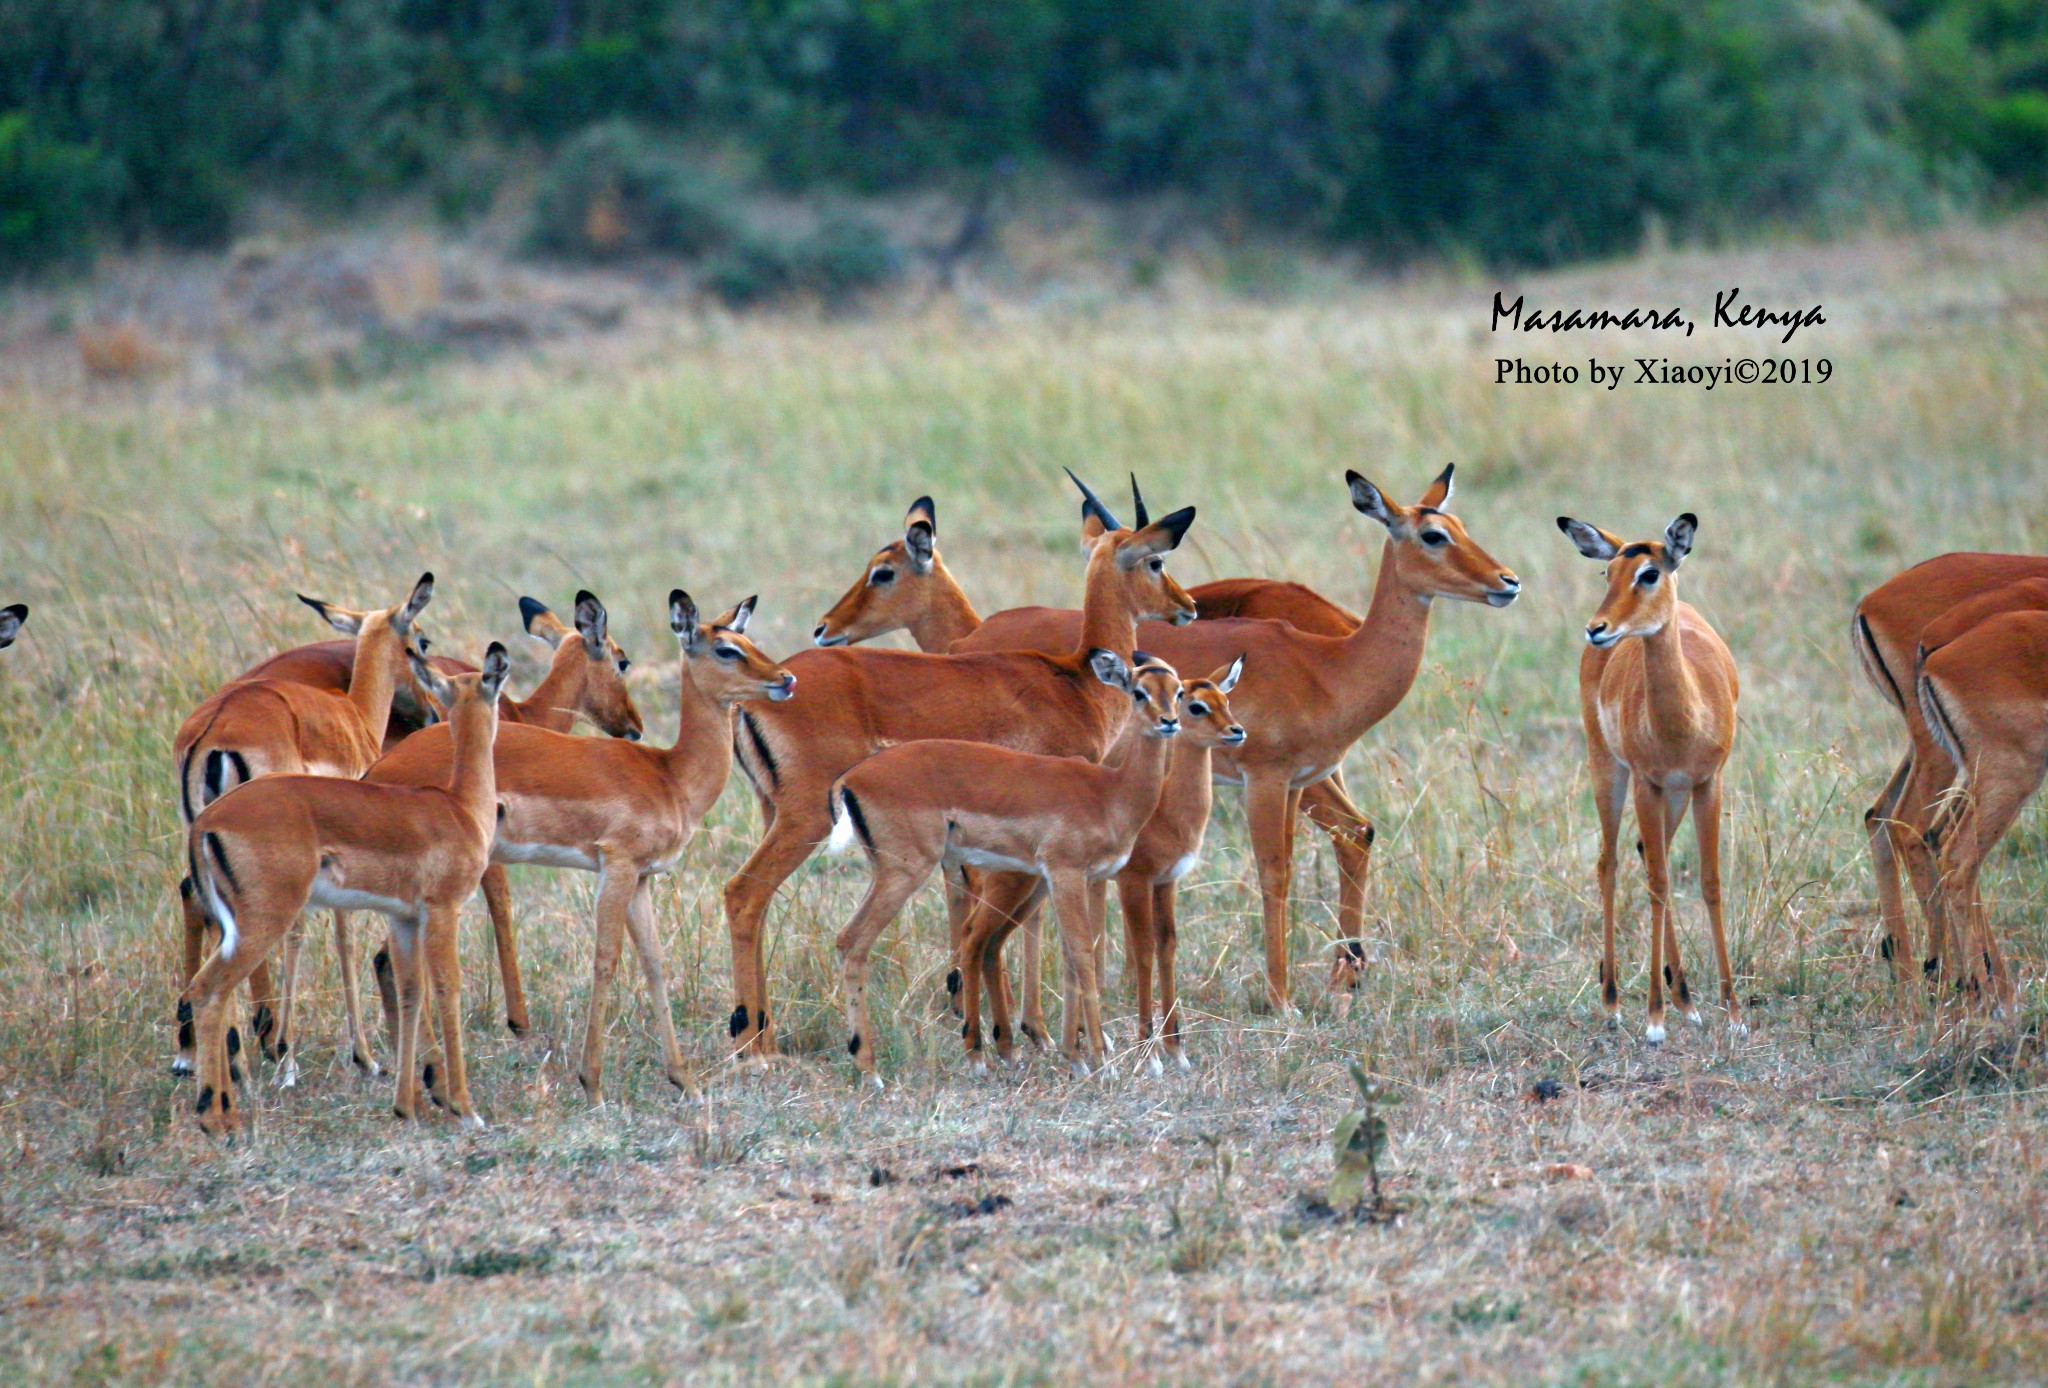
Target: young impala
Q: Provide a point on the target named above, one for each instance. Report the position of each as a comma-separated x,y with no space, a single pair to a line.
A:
1890,627
266,727
1984,696
1310,696
859,700
907,586
625,811
1062,820
1659,709
265,851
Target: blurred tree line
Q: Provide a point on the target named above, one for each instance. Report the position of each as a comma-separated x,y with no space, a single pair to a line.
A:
1527,131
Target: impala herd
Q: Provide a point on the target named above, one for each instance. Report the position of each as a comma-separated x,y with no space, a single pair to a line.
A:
1038,754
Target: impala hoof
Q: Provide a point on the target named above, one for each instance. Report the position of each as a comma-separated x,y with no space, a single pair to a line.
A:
181,1065
874,1082
475,1120
1695,1018
1182,1063
1156,1066
979,1069
1613,1021
1737,1027
1654,1033
369,1068
288,1073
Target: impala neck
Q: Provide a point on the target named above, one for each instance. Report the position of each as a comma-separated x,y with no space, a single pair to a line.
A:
1671,694
1139,782
373,678
554,701
475,781
1106,617
1380,659
947,615
702,750
1187,785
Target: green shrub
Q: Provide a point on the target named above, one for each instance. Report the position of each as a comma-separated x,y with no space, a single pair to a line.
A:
615,191
844,257
54,196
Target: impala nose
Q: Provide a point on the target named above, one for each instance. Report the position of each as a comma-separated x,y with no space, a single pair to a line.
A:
1598,634
820,637
1507,589
632,734
783,688
1233,734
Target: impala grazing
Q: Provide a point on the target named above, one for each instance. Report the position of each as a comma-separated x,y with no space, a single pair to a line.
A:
858,700
1311,696
265,851
623,810
1888,630
269,726
1658,710
1062,821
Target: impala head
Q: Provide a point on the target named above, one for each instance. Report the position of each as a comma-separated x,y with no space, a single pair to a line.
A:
1205,718
895,589
11,618
1430,549
720,659
1641,593
468,695
394,624
1136,557
605,700
1152,684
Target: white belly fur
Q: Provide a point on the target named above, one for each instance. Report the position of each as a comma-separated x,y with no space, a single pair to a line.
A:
331,895
543,855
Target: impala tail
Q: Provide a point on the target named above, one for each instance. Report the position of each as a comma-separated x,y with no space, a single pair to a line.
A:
1937,712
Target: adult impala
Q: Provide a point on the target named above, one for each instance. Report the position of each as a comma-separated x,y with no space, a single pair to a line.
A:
268,849
1657,692
1310,696
623,810
1062,821
858,700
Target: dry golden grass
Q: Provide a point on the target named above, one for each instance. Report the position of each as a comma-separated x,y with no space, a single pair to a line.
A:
1842,1194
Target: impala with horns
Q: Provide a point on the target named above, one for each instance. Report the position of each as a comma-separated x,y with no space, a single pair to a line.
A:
265,851
267,727
625,811
1659,712
1310,696
858,700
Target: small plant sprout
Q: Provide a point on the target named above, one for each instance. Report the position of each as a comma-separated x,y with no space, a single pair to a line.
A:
1357,1144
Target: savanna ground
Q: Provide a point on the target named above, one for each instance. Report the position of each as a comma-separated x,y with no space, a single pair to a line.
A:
1844,1193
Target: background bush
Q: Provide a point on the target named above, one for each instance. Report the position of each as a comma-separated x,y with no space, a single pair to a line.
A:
1512,130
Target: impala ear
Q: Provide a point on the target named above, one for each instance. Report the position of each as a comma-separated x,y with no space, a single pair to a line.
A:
1227,679
11,618
422,594
736,620
593,623
497,668
1159,537
1369,500
682,619
431,680
1593,542
1439,494
1109,667
1678,538
920,535
540,621
340,618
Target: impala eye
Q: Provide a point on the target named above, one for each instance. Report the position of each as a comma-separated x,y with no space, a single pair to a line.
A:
726,652
624,665
1156,564
885,574
1435,539
1199,709
1648,577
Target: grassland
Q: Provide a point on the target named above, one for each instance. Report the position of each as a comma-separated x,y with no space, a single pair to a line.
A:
1844,1194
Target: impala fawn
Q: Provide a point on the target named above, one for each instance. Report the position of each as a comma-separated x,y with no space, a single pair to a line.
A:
625,811
1658,709
267,850
1062,820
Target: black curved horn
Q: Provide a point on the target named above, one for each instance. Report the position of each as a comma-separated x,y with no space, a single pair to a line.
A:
1138,503
1091,504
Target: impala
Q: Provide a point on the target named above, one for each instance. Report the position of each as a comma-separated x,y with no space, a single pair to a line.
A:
907,586
858,700
1658,710
1887,631
1982,694
1311,696
1062,820
623,810
266,727
267,850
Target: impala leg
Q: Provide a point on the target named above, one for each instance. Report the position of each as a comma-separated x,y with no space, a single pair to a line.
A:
1266,806
1923,807
793,835
197,928
206,1001
384,973
1676,984
1135,894
647,944
983,952
1086,1047
1650,822
615,887
406,959
263,1001
450,1083
1610,790
285,1029
2002,779
351,996
892,885
497,889
1706,828
1896,945
1328,805
1166,930
1011,899
961,894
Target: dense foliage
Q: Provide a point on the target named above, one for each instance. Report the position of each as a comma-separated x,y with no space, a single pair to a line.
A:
1525,130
